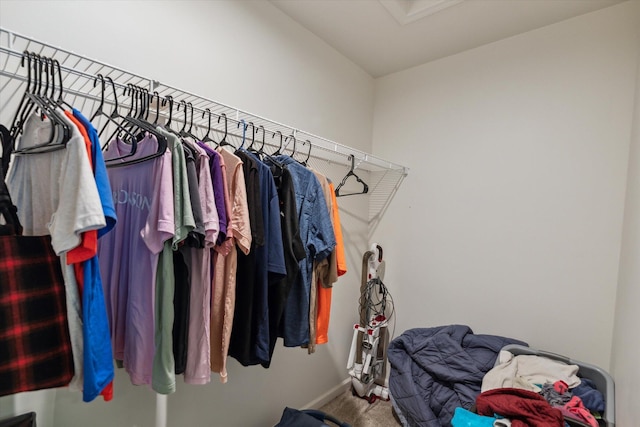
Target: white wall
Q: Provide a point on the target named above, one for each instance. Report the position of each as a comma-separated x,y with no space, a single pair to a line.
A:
626,345
249,55
518,153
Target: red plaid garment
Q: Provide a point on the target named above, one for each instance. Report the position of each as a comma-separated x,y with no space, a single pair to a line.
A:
35,348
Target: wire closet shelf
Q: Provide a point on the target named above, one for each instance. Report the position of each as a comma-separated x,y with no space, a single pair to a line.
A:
83,90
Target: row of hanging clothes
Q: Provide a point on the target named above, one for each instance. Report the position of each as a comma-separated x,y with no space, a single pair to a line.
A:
148,245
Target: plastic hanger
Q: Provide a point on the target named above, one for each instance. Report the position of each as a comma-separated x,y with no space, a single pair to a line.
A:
157,96
136,121
293,152
60,100
36,99
304,162
351,173
184,132
224,141
279,150
110,118
168,99
253,136
244,132
206,137
258,151
263,155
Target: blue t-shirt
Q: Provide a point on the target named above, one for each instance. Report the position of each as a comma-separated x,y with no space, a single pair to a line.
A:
97,353
318,238
100,173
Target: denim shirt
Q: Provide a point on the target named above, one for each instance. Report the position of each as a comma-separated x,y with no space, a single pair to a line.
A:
318,238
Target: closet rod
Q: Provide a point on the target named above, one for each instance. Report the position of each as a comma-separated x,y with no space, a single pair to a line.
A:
83,67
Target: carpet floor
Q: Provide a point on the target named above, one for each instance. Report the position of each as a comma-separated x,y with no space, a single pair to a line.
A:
359,413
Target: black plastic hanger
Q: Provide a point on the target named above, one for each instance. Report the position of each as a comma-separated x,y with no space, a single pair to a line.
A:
16,125
224,141
36,99
351,173
157,96
263,155
206,137
168,99
304,162
136,122
110,118
60,100
293,152
186,133
279,150
253,136
258,151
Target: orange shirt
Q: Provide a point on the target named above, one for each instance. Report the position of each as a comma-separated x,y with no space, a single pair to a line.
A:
324,294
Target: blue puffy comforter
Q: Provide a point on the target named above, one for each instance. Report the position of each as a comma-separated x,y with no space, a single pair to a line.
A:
435,370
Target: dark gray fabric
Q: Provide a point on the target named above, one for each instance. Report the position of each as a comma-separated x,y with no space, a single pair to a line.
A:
435,370
24,420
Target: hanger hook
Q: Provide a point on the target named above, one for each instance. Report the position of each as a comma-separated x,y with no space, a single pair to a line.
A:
27,55
293,152
190,122
61,86
226,122
169,99
308,152
280,146
253,134
157,96
263,136
115,111
208,111
95,82
183,103
244,131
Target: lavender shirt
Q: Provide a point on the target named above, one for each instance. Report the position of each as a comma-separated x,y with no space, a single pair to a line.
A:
143,198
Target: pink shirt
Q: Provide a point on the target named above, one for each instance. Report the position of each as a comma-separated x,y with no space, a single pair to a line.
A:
226,261
198,370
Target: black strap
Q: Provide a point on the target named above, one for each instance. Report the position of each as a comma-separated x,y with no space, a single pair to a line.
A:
8,211
7,148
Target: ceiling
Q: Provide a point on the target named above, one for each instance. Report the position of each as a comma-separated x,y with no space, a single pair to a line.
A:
385,36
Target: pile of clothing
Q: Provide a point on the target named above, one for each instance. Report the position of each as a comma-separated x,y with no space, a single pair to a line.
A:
449,376
529,390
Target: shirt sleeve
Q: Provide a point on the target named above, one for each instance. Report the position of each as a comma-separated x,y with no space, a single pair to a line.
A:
79,208
209,207
322,238
160,221
275,251
240,212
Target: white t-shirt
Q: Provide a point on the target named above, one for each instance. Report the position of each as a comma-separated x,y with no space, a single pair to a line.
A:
56,195
55,192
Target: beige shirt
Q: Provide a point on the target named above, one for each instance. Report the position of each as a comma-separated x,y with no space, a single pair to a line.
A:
226,260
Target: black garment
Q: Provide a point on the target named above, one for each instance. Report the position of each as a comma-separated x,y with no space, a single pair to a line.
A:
293,253
181,299
195,238
24,420
241,332
7,148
